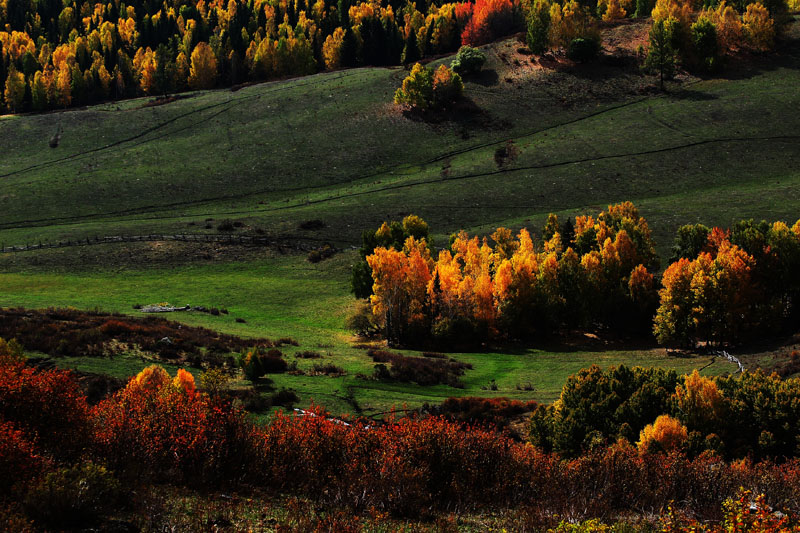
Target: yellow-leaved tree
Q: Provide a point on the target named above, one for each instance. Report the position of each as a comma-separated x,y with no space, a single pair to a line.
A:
15,90
666,434
332,49
203,72
759,28
614,11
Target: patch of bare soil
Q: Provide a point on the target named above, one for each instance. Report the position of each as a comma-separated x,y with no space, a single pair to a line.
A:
626,36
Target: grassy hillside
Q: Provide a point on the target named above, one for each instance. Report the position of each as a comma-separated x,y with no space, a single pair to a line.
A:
332,147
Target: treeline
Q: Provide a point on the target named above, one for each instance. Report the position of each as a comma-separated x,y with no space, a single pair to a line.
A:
697,35
57,54
65,463
726,287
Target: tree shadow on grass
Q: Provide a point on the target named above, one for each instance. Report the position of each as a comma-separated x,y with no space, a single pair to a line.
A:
690,94
465,114
485,78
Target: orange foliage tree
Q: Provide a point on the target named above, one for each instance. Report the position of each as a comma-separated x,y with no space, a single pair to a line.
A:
490,19
666,434
476,290
709,298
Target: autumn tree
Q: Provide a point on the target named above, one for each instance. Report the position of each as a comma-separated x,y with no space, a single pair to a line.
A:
447,87
400,287
332,49
571,21
707,299
203,70
699,404
490,19
614,11
728,25
14,89
389,235
417,89
758,27
665,434
424,89
38,92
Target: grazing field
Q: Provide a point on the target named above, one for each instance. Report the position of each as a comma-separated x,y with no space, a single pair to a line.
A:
333,147
330,147
288,296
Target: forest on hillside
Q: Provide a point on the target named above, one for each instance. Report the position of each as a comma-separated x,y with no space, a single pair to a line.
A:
58,54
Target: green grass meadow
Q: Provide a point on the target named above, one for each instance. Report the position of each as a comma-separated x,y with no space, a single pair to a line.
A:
332,147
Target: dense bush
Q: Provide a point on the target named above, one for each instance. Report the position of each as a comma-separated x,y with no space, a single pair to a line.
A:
48,406
161,429
258,361
468,61
482,411
71,332
19,462
73,496
419,370
597,407
583,50
752,415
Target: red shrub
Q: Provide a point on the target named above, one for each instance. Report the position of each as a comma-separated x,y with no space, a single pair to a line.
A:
166,430
18,460
48,406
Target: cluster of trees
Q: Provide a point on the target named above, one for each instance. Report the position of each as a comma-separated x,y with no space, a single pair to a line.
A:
700,41
723,287
571,26
57,54
679,34
730,286
425,89
597,272
750,415
65,463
